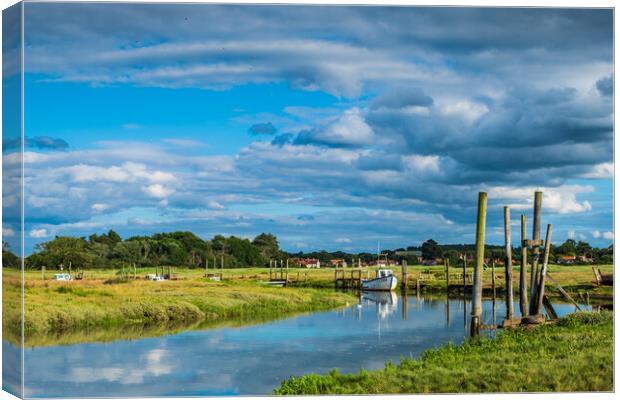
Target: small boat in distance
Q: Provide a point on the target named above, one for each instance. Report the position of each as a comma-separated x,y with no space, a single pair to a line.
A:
385,281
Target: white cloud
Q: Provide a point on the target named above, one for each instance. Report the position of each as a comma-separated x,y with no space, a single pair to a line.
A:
158,191
215,205
467,110
596,234
7,232
561,199
98,207
350,130
608,235
38,233
343,240
603,170
571,234
422,164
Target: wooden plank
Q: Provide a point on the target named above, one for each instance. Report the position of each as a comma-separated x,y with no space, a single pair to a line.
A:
550,310
561,289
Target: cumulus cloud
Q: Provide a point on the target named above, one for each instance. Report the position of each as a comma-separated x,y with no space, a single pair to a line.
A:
343,240
7,232
38,233
561,200
157,190
350,129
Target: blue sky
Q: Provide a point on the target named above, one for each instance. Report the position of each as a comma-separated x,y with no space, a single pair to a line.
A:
331,128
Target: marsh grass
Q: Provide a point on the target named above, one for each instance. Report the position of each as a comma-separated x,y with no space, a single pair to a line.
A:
576,354
55,307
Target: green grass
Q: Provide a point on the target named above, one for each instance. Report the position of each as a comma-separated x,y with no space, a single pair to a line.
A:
576,354
89,305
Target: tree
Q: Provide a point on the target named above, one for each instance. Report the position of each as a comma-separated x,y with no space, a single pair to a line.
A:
9,259
568,248
431,250
65,251
268,245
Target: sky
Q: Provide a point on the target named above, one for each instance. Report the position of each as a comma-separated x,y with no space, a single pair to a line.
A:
331,127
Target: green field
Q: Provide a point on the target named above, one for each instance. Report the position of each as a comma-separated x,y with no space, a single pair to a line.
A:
575,354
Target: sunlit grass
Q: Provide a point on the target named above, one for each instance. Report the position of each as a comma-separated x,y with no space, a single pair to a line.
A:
576,354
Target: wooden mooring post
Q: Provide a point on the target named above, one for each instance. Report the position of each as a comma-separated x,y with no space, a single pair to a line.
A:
493,277
447,267
535,243
403,283
523,272
476,305
508,264
464,272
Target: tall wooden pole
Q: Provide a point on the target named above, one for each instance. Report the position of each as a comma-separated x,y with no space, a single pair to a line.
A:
523,272
476,304
447,268
535,249
403,284
464,271
508,263
493,277
541,284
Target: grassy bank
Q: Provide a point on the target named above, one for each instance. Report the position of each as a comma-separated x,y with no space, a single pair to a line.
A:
52,307
576,354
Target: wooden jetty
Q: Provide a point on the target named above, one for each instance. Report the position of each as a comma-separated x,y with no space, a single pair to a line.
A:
279,276
348,279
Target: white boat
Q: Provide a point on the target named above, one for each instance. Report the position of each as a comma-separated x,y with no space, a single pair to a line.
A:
385,281
62,277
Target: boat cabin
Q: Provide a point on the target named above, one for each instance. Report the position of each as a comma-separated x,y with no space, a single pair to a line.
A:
384,273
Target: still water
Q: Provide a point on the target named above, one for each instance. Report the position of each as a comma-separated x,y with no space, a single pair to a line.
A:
253,360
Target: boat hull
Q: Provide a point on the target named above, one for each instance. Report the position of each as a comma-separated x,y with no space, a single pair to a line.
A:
386,283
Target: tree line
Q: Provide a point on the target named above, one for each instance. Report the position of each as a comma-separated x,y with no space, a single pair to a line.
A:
185,249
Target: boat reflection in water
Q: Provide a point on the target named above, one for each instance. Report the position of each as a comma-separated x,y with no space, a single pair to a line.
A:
386,302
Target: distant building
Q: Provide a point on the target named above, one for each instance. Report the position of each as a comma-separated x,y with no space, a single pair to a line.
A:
338,262
309,262
567,260
381,263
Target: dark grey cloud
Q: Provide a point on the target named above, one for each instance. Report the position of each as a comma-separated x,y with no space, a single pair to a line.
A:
264,128
403,98
605,86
